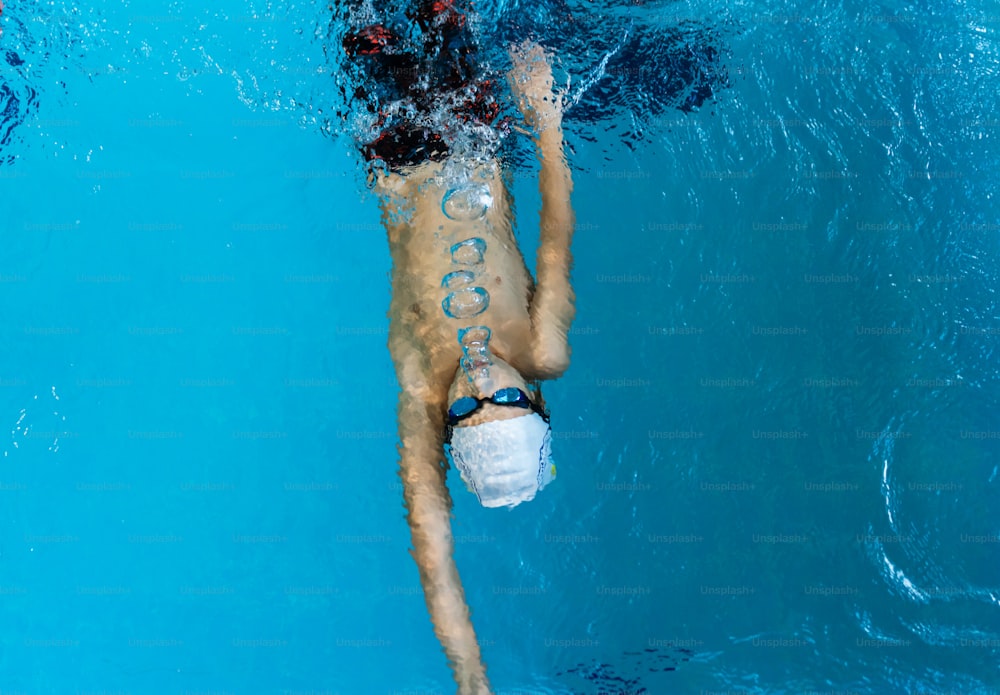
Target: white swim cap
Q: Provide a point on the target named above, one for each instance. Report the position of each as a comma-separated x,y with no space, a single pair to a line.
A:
505,462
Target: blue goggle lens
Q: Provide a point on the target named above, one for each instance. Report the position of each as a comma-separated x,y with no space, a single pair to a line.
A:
463,406
510,396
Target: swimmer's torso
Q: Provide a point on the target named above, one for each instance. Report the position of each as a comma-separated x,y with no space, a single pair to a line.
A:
441,285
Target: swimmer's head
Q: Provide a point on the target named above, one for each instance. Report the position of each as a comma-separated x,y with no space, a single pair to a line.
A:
483,383
500,438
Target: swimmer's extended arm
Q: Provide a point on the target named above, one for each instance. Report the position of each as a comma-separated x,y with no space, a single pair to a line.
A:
421,433
552,309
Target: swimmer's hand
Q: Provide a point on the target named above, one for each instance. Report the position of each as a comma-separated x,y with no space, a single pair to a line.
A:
531,84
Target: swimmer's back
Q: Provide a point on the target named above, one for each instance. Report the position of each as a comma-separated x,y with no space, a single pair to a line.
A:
421,237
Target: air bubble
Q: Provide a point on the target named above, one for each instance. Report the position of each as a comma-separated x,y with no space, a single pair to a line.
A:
468,252
466,303
467,203
458,280
474,336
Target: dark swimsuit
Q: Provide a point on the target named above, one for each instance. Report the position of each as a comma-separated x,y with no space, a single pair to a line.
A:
445,61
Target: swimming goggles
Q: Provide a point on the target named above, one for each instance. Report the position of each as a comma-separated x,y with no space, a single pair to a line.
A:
467,405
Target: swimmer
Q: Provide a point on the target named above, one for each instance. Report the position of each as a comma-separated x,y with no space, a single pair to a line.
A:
465,366
471,332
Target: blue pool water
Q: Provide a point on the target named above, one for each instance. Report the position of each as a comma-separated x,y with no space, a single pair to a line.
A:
778,441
